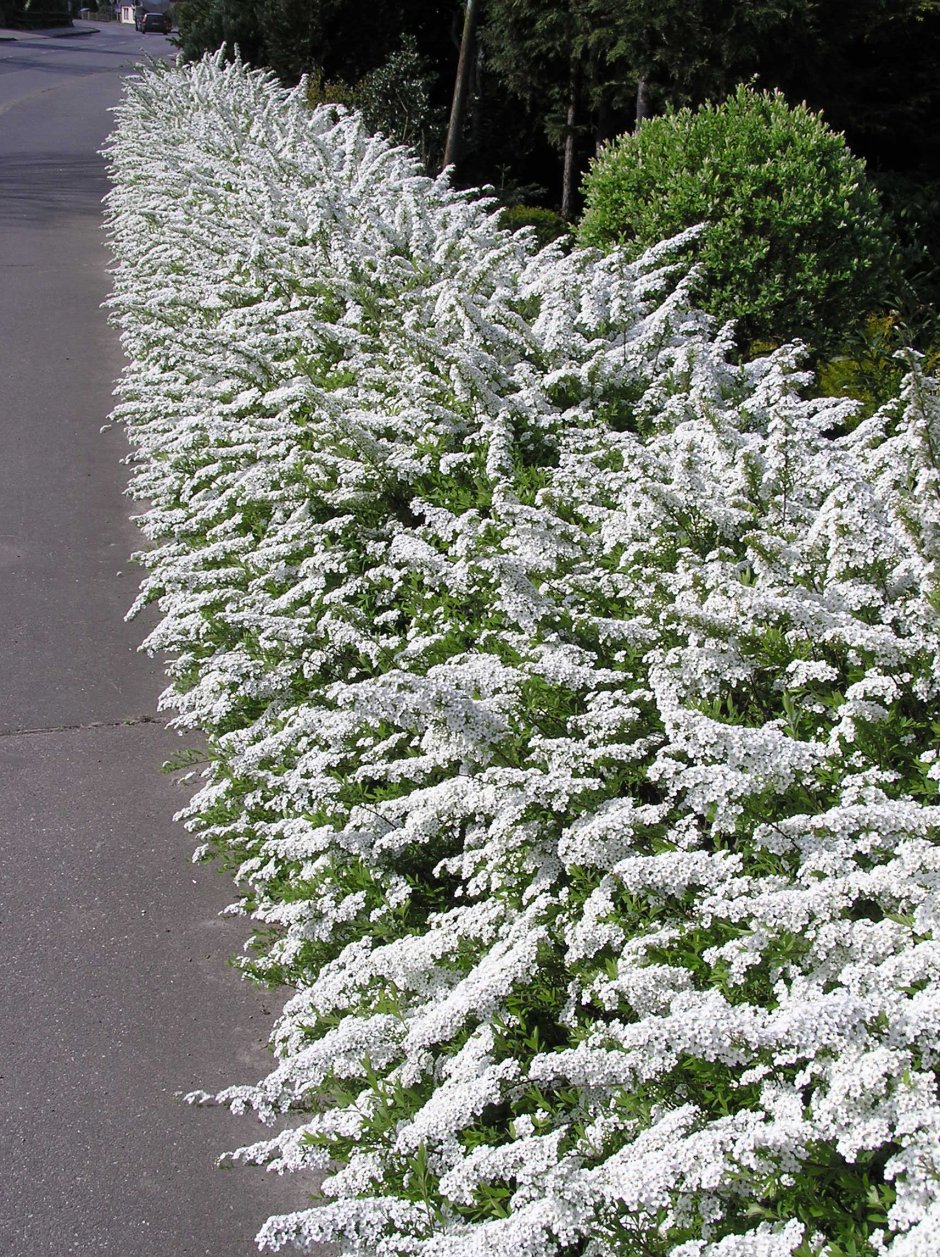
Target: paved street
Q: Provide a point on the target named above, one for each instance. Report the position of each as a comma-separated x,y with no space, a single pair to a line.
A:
114,990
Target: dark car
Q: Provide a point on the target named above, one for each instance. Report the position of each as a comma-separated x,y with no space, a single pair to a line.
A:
155,22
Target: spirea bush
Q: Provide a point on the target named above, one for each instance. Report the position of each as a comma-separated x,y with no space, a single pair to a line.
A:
570,696
797,243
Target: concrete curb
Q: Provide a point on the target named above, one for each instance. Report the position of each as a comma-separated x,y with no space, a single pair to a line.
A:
8,35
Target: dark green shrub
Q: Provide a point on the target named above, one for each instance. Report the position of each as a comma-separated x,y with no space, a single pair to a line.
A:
395,98
321,91
205,25
36,14
797,244
546,224
913,203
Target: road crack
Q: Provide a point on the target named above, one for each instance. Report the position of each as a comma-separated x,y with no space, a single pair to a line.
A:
129,722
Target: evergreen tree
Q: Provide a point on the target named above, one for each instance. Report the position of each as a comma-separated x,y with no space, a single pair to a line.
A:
343,39
589,68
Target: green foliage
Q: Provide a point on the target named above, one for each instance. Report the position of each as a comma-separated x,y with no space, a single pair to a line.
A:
575,65
532,45
546,224
292,33
797,244
344,40
35,14
321,91
205,25
686,51
871,366
914,206
396,99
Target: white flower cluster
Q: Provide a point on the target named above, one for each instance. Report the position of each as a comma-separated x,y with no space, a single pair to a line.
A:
571,700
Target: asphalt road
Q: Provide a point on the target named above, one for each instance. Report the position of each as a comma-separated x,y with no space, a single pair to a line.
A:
115,996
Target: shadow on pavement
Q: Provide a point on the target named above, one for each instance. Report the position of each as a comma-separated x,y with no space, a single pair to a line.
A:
43,186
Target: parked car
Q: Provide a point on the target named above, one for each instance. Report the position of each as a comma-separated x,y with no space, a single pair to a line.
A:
155,22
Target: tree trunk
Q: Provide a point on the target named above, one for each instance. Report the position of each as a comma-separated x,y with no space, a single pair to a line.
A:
643,107
602,126
458,109
567,190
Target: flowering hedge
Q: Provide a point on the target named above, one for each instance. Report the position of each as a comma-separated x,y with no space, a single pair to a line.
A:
570,695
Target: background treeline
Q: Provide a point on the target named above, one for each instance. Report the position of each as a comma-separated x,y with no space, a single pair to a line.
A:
550,81
35,13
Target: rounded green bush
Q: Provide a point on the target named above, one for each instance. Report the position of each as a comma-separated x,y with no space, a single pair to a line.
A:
797,244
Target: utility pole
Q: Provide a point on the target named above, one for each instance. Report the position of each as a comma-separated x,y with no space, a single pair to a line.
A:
458,107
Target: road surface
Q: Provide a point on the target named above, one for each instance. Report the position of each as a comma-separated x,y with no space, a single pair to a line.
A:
115,996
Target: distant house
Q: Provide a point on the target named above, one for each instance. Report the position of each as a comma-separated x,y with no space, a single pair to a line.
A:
134,13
